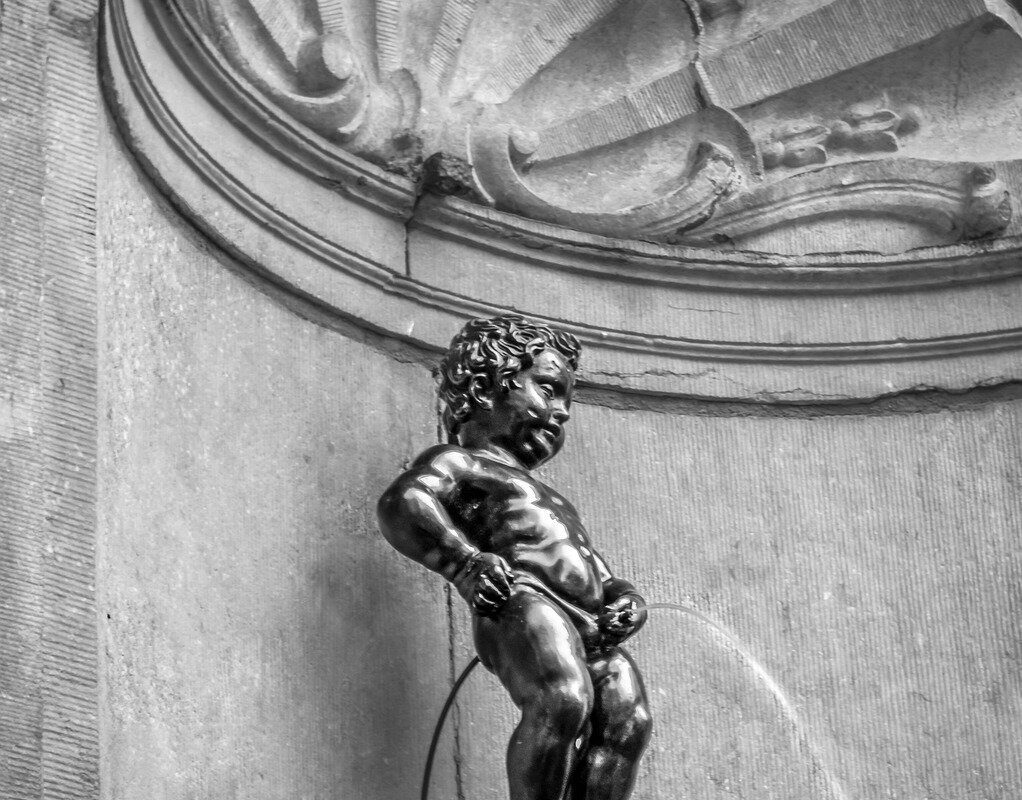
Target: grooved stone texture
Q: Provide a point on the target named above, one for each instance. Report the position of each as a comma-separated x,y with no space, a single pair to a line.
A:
48,103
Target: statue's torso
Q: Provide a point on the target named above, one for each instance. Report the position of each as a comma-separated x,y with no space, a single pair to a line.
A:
509,512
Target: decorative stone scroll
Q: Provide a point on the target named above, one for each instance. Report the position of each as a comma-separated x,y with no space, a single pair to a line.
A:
516,94
760,201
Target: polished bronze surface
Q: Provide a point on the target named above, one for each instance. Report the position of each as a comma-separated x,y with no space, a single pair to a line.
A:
549,617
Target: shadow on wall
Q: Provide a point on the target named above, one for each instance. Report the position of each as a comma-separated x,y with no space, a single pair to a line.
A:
377,659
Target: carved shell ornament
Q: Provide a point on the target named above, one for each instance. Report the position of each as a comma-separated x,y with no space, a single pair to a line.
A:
772,201
646,119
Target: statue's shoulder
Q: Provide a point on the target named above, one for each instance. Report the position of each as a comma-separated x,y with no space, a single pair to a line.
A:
450,459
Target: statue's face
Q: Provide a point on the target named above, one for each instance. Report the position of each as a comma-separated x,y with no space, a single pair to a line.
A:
528,421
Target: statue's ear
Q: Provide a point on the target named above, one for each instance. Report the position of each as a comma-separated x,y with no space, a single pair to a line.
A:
481,392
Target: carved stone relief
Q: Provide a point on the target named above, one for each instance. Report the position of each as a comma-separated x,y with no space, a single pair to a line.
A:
639,119
762,201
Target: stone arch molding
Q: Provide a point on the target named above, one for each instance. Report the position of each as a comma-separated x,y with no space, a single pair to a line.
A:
728,199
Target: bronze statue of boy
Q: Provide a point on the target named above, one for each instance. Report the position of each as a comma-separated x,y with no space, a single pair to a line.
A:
548,615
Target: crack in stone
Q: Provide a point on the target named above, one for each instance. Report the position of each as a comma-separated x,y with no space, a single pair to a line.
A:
921,399
704,310
657,373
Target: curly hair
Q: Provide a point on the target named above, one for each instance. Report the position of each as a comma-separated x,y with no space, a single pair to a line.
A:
488,354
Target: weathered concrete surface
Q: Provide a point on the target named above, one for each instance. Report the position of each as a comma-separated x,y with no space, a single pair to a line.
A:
48,104
259,639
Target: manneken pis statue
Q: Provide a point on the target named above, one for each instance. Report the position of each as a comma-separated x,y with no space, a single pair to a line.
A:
548,615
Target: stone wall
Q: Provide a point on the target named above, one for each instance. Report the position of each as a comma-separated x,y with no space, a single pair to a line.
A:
259,639
48,106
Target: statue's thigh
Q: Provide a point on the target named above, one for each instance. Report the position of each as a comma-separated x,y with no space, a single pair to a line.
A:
619,693
533,648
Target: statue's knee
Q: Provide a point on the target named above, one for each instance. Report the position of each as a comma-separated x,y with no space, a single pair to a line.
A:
631,734
642,725
566,706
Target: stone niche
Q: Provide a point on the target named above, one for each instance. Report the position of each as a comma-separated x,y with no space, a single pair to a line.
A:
780,228
812,201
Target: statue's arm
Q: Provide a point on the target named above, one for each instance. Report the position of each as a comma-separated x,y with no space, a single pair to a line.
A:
413,517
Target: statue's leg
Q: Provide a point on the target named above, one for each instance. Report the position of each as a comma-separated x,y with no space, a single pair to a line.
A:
538,655
621,729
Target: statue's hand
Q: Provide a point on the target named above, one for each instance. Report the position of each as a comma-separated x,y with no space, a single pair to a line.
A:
485,583
622,618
